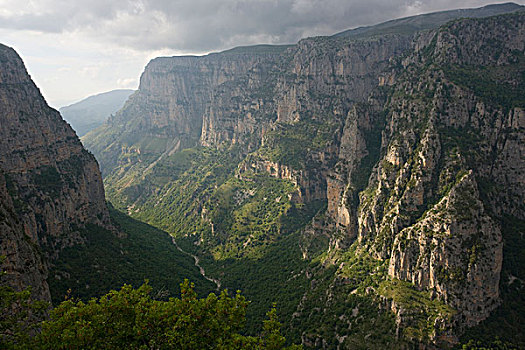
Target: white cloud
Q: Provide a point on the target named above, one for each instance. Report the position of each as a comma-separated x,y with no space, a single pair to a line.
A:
74,48
127,83
204,25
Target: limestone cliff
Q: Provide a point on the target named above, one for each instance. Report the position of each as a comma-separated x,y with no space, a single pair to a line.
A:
166,113
23,265
428,208
51,186
413,140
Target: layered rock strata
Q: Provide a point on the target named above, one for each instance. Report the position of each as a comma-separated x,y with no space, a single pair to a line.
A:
51,186
414,140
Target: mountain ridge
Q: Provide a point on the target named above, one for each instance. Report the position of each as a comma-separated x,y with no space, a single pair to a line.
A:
418,23
361,159
53,183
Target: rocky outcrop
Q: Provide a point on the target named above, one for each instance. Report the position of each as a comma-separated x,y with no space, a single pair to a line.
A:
166,114
415,142
307,183
358,152
455,250
430,206
51,186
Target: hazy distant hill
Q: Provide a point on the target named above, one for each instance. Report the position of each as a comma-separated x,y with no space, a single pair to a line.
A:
91,112
413,24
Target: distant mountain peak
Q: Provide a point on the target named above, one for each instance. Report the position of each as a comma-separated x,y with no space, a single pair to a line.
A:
92,111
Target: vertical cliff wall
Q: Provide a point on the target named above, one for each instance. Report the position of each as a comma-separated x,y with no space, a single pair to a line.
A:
166,114
51,186
431,206
414,141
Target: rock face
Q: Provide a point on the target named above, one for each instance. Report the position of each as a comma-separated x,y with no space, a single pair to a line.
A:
51,186
24,265
456,250
166,113
442,145
413,140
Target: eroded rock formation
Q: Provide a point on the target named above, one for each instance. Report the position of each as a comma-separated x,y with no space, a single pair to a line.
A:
403,134
50,185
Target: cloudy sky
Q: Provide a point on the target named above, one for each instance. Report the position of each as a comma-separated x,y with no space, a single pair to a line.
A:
77,48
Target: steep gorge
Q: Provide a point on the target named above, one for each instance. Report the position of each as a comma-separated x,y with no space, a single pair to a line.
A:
57,235
423,209
387,163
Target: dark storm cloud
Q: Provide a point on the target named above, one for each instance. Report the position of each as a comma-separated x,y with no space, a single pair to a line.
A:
204,25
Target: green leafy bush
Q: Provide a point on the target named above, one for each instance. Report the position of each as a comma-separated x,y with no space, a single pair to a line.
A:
131,318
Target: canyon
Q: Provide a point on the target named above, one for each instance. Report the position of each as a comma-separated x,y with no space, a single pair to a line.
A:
371,183
378,143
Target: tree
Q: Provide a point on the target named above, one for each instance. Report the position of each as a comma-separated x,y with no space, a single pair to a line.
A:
272,339
131,318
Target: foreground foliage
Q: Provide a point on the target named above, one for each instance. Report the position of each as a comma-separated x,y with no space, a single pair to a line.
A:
131,318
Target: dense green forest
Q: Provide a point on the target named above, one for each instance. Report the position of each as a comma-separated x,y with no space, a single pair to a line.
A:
132,319
108,260
248,238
